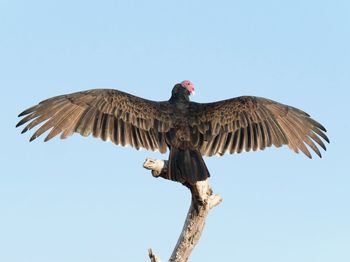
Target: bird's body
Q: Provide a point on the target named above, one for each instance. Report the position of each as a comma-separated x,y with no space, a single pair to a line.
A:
179,135
185,160
190,130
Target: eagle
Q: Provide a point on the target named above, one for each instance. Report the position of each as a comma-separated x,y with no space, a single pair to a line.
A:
188,129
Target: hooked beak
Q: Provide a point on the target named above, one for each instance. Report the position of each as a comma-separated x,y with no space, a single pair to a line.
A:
191,90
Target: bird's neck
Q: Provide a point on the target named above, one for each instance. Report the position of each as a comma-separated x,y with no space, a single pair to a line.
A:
179,98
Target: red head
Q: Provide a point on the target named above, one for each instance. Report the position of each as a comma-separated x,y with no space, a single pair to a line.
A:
188,85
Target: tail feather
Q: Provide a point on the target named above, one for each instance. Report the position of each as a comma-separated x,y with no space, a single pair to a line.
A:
187,166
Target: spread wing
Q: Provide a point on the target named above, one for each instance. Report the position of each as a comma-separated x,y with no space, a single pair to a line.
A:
105,113
252,123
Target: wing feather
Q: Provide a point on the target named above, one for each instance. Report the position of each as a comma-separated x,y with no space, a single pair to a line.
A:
50,122
61,122
317,140
105,113
250,123
71,124
255,136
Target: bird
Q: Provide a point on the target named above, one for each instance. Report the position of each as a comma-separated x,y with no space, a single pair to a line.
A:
189,130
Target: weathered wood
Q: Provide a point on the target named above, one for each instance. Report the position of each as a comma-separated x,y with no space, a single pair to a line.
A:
152,256
203,199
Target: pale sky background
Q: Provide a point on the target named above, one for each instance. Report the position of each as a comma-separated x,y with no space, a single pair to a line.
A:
83,200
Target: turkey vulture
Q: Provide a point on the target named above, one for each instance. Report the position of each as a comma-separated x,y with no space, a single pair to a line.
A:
190,130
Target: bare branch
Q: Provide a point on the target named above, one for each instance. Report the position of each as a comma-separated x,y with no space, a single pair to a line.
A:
203,200
152,256
158,167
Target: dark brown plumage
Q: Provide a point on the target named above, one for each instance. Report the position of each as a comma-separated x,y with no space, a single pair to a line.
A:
189,129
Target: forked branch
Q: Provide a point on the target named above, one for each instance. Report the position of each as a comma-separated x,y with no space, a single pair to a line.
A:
203,199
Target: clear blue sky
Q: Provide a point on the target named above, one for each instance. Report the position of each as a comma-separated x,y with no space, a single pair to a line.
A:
83,200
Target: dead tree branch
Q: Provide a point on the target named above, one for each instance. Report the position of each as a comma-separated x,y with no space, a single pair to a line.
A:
203,199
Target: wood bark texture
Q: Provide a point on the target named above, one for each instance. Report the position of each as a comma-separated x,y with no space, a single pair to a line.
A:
203,199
